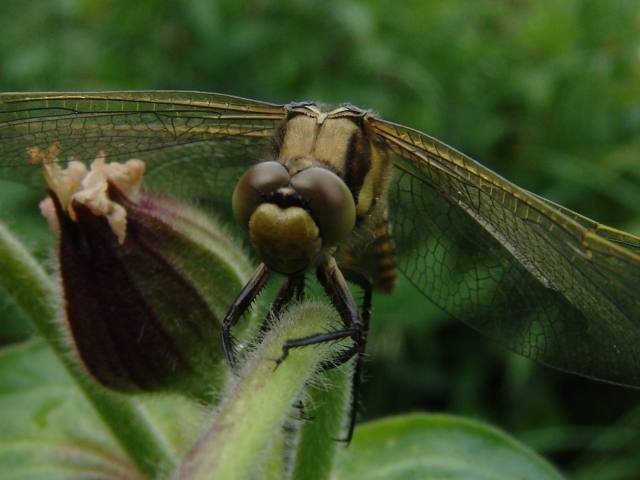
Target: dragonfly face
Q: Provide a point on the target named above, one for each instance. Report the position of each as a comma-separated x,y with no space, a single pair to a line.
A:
542,280
326,178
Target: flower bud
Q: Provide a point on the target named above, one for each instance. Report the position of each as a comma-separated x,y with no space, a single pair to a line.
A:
146,280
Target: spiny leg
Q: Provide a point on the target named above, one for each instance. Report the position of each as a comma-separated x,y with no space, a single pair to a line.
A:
314,340
336,288
293,285
334,284
359,348
367,288
239,306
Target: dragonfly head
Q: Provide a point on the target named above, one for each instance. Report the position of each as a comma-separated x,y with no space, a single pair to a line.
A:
293,219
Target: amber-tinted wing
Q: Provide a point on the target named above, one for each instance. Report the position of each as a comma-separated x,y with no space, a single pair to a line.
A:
544,281
195,145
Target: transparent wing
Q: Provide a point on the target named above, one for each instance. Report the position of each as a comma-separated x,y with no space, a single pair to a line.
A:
195,145
544,281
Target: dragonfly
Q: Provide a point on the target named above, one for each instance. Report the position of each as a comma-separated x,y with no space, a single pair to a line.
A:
542,280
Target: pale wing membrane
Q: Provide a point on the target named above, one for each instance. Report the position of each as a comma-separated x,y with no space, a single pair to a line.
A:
541,280
195,145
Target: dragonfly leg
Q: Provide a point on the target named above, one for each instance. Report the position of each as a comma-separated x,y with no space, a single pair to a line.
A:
293,285
314,340
367,288
335,285
239,307
359,348
302,411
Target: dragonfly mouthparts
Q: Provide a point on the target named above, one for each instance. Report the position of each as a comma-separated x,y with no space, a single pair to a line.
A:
286,197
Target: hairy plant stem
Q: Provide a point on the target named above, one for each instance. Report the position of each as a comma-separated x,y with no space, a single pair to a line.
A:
249,422
320,438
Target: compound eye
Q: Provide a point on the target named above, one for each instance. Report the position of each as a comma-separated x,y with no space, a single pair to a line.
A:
330,202
258,181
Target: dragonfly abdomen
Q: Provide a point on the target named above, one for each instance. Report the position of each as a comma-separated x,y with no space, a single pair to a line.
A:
384,263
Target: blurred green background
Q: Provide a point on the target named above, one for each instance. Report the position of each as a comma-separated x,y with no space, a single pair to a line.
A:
547,93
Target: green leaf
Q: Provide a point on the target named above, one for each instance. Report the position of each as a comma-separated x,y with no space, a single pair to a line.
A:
421,446
50,430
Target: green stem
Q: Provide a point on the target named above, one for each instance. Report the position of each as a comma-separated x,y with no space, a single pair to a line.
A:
328,406
32,290
277,459
249,421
